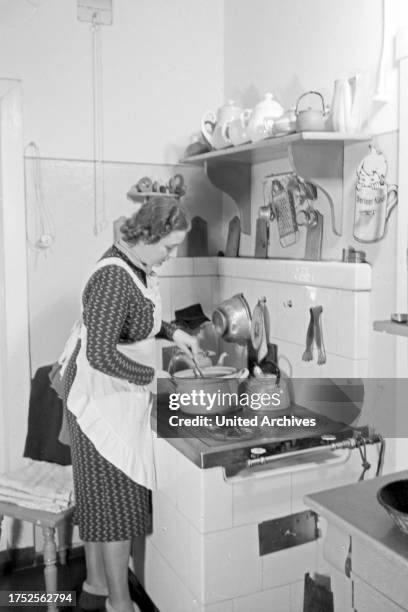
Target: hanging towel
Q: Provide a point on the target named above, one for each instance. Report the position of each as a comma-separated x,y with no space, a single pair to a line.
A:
44,422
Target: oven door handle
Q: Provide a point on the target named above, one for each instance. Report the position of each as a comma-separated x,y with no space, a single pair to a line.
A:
278,467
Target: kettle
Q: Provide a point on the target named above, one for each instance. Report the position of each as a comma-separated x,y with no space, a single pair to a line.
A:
311,119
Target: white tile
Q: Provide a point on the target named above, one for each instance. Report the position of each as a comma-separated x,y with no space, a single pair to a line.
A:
318,478
289,565
163,585
205,266
276,600
203,497
330,274
292,313
166,468
184,290
353,325
232,562
171,535
297,590
166,298
260,499
177,266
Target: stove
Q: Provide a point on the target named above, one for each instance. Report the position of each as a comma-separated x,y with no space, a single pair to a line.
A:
247,442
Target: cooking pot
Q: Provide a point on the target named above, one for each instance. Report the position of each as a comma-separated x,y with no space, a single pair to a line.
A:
232,319
217,379
311,119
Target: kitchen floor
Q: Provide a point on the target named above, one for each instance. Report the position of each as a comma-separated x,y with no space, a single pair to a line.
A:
70,578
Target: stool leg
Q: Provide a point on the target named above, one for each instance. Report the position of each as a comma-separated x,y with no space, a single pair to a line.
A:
62,544
50,568
1,521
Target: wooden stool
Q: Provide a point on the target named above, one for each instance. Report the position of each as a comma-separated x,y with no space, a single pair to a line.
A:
48,521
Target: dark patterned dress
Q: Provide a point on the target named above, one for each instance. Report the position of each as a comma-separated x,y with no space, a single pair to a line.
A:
109,506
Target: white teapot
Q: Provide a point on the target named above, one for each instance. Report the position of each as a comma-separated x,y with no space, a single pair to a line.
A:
263,117
214,125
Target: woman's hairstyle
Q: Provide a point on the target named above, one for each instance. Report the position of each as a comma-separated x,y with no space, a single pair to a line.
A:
155,219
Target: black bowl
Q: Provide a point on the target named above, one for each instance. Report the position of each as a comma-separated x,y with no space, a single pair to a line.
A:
394,498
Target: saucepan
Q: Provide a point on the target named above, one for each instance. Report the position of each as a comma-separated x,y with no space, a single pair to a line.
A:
216,380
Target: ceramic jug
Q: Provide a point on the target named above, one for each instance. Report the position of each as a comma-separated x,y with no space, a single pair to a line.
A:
213,125
374,199
350,103
263,116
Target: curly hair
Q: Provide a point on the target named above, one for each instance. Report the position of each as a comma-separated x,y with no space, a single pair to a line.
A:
155,219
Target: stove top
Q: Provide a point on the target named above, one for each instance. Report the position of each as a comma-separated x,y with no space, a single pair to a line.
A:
209,444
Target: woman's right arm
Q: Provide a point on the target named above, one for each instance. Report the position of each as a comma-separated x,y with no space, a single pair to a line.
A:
106,307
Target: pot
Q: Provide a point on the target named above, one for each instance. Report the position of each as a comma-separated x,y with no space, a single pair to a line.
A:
311,119
232,319
217,380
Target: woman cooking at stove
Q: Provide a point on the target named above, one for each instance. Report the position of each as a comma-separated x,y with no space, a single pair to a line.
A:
108,380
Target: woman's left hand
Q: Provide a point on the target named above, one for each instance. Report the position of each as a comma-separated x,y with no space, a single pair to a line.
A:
187,343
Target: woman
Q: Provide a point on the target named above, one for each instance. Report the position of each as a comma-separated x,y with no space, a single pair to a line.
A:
107,383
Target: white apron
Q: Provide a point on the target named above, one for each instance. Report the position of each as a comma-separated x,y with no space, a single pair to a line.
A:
112,412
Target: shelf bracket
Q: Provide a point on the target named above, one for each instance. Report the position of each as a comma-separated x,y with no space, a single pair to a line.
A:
328,175
234,179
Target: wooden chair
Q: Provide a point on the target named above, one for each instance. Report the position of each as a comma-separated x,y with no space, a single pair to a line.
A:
49,522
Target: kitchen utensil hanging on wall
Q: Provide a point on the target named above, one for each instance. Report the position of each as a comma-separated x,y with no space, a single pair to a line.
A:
314,335
314,238
260,329
233,239
288,198
44,237
262,232
197,238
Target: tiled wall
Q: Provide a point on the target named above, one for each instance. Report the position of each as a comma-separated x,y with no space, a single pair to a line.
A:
291,288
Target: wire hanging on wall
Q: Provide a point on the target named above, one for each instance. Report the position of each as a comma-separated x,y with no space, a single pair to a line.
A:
100,220
43,236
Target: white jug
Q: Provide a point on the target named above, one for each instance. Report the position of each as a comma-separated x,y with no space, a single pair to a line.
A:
350,106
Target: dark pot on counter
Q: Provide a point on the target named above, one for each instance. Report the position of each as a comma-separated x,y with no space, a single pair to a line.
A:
217,379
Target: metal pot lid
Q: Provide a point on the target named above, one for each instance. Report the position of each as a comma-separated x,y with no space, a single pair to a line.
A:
260,329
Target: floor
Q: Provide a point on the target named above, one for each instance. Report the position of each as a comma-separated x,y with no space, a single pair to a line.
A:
70,578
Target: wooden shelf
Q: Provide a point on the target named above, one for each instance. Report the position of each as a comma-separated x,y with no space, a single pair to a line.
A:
316,156
272,148
390,327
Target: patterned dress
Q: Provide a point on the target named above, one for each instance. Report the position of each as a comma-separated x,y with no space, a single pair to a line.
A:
109,506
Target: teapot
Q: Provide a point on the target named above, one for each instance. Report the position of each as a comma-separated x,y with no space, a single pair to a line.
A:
263,116
311,119
214,125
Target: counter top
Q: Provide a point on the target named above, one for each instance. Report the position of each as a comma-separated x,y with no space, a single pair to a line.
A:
355,509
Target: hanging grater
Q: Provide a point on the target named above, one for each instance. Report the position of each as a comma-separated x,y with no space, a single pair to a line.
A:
281,201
